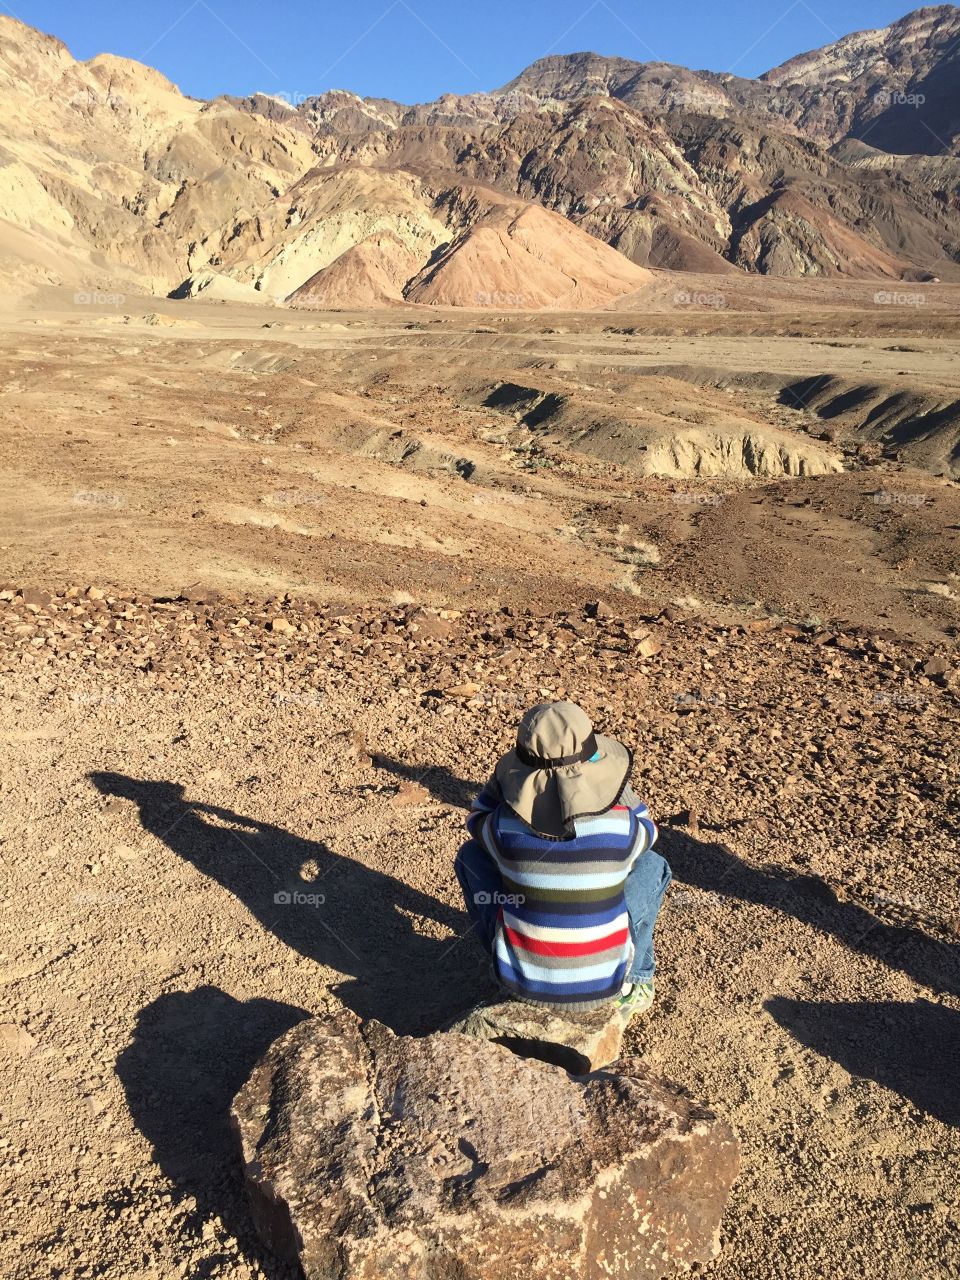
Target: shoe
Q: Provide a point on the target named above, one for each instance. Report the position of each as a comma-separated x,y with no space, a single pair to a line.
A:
635,997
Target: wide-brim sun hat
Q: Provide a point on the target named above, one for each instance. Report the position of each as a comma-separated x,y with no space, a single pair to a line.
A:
560,769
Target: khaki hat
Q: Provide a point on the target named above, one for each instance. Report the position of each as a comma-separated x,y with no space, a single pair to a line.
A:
560,769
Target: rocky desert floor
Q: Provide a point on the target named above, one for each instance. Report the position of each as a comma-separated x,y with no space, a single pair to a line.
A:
277,586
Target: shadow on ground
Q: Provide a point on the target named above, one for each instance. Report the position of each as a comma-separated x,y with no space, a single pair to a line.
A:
910,1047
408,959
713,868
191,1051
440,781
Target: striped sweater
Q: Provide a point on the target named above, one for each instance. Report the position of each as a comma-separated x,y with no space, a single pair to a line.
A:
563,935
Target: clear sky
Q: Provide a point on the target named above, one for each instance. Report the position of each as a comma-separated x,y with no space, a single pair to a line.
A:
413,50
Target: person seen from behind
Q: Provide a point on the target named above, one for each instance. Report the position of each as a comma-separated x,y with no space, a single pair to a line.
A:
559,875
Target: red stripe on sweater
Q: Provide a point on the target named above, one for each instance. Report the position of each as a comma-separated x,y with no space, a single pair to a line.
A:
541,948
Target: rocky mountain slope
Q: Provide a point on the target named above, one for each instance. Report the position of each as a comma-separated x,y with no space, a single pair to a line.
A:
898,84
896,87
110,177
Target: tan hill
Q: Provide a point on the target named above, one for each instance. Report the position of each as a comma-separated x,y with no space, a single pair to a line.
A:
371,273
513,255
114,175
523,256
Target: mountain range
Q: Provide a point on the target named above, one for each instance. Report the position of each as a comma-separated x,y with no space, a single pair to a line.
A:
562,189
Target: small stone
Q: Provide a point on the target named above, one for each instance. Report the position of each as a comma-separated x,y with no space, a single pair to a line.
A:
689,818
648,646
410,793
429,625
94,593
16,1039
578,1043
31,596
462,690
936,666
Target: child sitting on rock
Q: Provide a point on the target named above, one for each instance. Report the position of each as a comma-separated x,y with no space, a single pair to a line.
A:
559,875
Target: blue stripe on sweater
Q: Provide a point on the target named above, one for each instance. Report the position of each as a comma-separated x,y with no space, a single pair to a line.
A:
532,844
557,915
576,914
570,990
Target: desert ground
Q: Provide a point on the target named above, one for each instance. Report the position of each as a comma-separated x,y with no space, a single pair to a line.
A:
277,585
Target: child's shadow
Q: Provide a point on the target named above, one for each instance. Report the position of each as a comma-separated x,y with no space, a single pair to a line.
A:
408,959
405,959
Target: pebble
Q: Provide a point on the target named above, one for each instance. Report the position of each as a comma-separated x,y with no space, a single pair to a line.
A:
16,1039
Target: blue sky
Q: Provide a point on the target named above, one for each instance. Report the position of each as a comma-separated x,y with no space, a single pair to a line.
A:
413,50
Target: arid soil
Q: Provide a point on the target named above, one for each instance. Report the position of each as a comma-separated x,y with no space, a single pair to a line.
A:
274,600
435,457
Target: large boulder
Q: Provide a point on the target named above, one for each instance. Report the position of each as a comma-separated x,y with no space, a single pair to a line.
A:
577,1042
451,1158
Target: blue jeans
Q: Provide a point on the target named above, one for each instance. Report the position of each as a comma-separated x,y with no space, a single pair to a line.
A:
644,890
646,884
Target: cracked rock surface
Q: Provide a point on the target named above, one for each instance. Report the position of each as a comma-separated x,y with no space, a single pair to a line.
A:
450,1158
